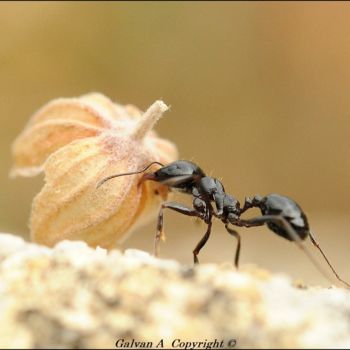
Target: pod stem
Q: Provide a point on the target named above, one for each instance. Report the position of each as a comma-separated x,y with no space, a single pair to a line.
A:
149,119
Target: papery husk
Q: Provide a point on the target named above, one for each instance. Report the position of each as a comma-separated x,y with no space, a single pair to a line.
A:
77,142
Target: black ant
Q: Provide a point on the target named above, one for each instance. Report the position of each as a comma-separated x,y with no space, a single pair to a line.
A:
281,214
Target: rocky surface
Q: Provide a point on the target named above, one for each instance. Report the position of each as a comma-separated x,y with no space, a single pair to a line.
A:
73,296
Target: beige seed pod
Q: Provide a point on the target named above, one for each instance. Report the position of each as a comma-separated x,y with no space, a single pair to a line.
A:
77,142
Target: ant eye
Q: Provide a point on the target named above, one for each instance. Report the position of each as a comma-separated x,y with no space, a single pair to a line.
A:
156,192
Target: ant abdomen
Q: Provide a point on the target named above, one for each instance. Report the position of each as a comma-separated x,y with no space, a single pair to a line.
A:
276,204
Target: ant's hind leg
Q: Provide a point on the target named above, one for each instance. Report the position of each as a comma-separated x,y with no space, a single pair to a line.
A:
174,206
238,248
294,237
201,243
316,244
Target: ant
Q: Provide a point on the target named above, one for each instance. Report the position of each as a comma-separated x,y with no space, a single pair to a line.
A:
281,214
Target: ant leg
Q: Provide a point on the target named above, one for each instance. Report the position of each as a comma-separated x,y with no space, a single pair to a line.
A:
238,249
174,206
293,235
316,244
278,219
201,243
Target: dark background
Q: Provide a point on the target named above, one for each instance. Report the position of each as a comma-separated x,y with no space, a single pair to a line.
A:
259,94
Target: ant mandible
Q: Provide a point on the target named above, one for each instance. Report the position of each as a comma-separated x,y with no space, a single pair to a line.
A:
281,214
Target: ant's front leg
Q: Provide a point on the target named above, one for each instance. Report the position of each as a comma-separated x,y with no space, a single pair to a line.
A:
206,212
180,209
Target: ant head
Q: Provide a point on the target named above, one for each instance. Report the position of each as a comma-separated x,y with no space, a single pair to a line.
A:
231,210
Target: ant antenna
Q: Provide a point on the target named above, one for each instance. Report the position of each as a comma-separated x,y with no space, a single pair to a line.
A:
301,245
100,183
315,243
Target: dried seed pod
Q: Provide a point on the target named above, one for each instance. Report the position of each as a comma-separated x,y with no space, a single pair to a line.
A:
77,142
